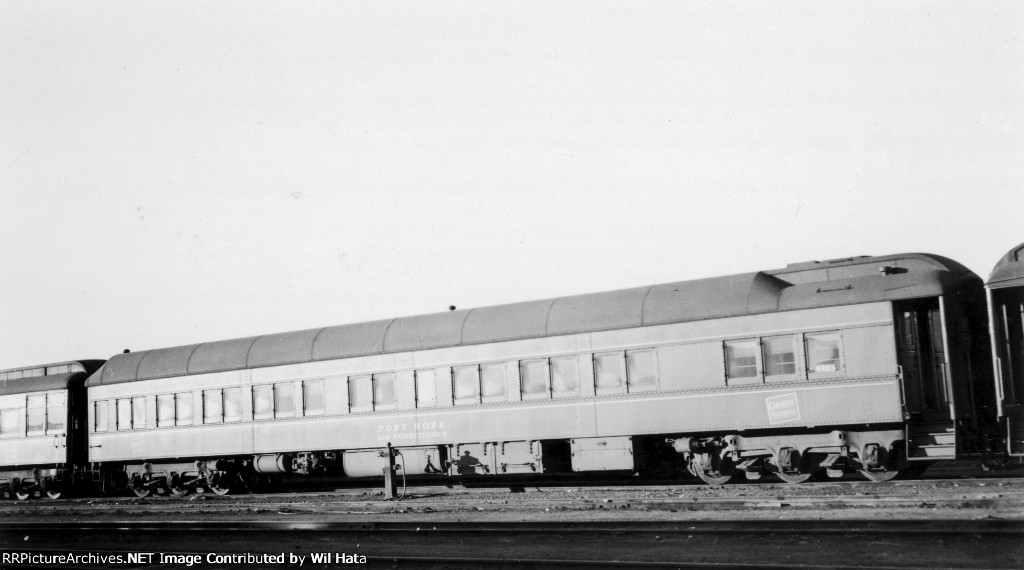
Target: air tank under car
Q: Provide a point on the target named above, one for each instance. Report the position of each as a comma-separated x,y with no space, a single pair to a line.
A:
1005,292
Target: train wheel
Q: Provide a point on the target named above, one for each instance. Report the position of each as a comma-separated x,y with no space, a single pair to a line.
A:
793,478
880,475
175,487
714,475
17,493
53,490
219,483
138,487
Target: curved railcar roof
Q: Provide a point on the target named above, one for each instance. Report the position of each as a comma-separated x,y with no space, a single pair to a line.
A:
1009,272
56,376
802,285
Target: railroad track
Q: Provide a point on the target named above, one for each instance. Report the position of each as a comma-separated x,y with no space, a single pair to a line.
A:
990,483
850,544
413,504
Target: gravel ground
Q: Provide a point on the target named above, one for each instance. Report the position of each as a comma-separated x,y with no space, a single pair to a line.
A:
925,499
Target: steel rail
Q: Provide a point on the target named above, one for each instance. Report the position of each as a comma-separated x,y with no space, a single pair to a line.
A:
413,502
857,526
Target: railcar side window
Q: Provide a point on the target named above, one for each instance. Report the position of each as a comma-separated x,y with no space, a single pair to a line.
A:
284,400
384,391
313,397
56,411
183,409
641,370
492,382
124,414
360,394
533,375
10,423
37,414
139,413
262,402
609,373
99,416
779,355
232,405
466,384
164,410
426,389
823,352
565,376
213,407
741,359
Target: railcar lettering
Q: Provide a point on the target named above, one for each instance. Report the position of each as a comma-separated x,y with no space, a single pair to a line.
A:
782,409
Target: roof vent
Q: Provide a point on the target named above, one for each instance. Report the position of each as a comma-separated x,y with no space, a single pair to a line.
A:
890,270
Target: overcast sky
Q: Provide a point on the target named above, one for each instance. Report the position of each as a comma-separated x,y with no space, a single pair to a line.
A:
181,172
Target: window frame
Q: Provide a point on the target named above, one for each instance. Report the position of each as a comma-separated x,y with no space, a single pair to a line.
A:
620,356
840,356
62,413
564,393
179,421
17,431
503,397
433,382
795,343
306,410
164,421
139,403
350,382
127,407
283,392
475,398
641,388
29,408
757,377
259,390
236,392
379,405
543,365
218,394
97,407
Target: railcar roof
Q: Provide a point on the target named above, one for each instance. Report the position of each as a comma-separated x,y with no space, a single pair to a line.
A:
1009,272
798,286
55,376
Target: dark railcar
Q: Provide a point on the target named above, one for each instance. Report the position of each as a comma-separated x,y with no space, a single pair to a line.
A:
1005,290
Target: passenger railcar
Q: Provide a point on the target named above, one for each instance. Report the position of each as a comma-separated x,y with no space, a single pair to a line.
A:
1005,292
858,364
42,428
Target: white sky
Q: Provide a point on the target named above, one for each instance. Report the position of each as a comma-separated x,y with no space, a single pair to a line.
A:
180,172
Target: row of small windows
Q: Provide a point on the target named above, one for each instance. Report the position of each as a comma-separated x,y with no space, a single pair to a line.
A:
43,414
218,406
619,372
540,378
776,356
